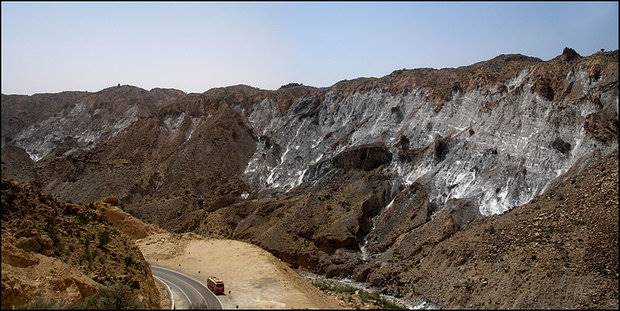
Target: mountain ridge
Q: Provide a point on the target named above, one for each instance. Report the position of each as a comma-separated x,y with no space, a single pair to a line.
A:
500,58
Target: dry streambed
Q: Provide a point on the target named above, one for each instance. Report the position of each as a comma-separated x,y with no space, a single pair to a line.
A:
363,296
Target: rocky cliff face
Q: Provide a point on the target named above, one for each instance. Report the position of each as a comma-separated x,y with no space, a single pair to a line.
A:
42,122
497,145
329,178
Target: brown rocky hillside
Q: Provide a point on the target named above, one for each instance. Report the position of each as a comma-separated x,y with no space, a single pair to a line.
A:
65,253
558,251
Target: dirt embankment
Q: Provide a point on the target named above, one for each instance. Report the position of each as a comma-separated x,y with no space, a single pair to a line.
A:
253,277
124,222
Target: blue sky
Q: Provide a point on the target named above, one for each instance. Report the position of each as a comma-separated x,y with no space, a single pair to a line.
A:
52,47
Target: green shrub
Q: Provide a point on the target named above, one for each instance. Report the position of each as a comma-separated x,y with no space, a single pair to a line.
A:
376,299
52,231
338,288
386,304
88,255
128,260
83,219
4,201
103,237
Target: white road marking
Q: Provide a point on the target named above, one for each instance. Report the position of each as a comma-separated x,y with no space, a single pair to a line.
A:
193,288
191,278
169,291
182,292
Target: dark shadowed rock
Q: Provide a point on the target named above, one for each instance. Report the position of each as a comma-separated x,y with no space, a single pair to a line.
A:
365,157
569,54
440,148
561,146
602,125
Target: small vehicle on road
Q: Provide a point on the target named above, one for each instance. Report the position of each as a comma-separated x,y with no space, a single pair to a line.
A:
215,285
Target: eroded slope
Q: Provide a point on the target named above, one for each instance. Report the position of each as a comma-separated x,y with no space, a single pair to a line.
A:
64,252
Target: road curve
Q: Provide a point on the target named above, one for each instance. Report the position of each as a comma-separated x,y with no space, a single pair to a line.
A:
186,291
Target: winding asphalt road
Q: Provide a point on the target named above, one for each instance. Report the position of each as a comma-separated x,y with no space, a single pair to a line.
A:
186,291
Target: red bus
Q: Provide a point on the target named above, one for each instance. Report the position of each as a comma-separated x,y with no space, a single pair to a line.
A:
215,285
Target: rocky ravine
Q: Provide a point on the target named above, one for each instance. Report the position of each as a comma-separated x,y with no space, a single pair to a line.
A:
339,179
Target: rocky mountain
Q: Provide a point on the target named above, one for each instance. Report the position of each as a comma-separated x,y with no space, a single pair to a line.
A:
560,250
337,179
43,122
66,255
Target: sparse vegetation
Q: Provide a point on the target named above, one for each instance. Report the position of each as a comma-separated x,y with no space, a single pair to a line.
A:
44,304
4,200
103,237
129,261
292,84
87,258
115,297
371,297
83,219
52,232
378,300
59,231
332,287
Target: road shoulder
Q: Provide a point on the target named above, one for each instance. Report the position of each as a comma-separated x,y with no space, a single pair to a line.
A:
164,293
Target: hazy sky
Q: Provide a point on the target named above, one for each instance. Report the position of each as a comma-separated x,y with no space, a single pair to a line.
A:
52,47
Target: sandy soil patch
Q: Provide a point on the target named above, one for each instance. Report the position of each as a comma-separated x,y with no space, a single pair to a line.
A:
253,277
